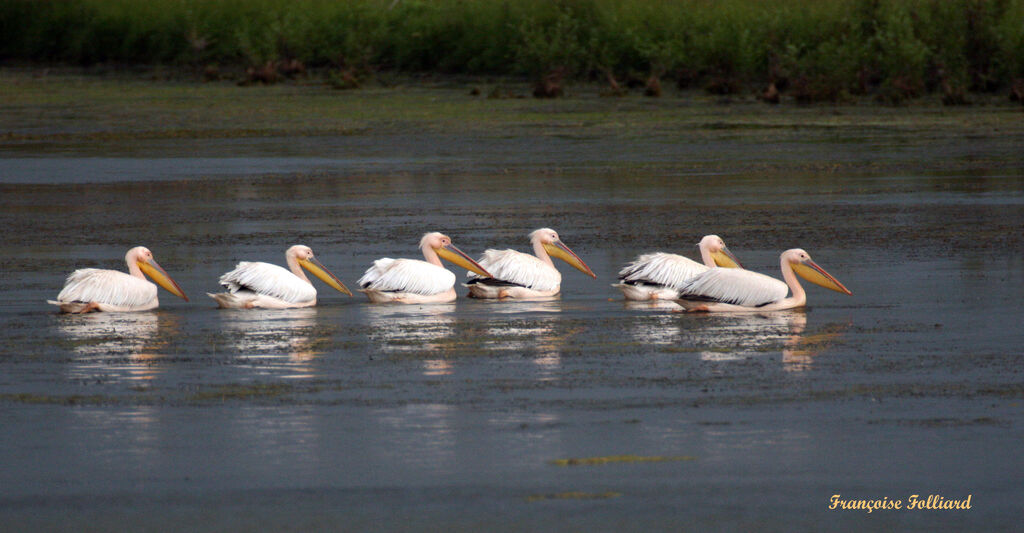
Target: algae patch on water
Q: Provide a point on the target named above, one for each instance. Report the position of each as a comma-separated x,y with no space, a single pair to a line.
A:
71,400
574,495
592,461
224,393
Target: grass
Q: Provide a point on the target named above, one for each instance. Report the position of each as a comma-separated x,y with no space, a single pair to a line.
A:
826,50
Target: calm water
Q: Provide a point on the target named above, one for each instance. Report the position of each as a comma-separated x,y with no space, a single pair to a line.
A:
359,416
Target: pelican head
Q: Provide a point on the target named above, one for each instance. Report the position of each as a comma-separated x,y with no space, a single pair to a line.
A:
804,267
718,251
548,238
143,258
304,257
442,245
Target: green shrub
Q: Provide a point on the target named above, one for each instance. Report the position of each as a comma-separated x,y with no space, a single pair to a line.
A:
821,50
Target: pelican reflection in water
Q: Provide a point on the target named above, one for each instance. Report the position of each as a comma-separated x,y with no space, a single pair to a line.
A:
117,346
415,328
280,342
800,350
659,325
737,337
530,328
127,352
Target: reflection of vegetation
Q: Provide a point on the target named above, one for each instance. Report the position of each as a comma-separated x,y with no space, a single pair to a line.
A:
591,461
813,50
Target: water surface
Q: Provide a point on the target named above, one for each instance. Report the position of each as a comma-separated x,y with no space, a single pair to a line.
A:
358,416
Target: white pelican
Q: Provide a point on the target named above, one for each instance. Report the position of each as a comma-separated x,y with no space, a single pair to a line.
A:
413,281
93,289
523,276
658,276
269,286
730,289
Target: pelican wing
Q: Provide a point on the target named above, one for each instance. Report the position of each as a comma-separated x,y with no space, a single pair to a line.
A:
269,280
669,270
734,286
517,268
107,287
407,275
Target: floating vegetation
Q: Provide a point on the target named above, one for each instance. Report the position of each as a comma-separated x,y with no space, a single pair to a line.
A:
253,391
608,459
574,495
48,399
943,422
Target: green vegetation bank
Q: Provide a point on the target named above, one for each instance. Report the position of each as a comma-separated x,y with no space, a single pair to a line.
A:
824,50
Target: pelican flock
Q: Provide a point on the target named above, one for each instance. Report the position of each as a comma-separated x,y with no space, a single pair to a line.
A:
93,289
725,289
523,276
252,285
659,275
412,281
719,284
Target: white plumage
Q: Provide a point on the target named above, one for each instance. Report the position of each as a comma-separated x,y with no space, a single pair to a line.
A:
268,280
519,268
411,281
91,289
660,268
407,276
269,286
522,276
659,275
733,290
109,287
734,286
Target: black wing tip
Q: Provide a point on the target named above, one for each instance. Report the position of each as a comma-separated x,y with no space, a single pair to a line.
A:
493,282
642,283
710,299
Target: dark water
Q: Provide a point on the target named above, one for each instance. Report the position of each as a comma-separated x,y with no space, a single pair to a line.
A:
356,416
